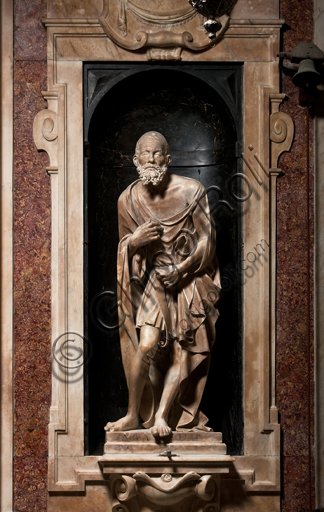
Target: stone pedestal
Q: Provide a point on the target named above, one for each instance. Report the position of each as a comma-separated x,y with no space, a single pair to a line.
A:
148,474
178,443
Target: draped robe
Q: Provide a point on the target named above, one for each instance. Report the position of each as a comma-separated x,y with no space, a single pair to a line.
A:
185,314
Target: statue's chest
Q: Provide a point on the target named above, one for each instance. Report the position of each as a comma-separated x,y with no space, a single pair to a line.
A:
167,207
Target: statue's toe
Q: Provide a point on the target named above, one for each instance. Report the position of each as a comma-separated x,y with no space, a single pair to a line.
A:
165,431
154,431
161,429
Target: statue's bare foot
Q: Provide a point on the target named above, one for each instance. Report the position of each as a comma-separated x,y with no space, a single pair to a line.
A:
161,428
126,423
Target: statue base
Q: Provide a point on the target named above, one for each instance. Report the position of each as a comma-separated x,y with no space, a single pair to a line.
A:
181,472
177,443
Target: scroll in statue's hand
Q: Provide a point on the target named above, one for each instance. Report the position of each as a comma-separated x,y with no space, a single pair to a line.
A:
144,234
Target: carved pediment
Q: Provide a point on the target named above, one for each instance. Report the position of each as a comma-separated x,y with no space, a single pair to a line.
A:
135,24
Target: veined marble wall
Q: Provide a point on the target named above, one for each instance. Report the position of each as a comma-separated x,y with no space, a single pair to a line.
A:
32,272
32,264
295,284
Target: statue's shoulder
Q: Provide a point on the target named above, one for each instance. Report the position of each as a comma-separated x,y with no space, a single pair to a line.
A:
187,183
189,186
126,195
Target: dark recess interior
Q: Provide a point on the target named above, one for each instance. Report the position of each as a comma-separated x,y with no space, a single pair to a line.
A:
199,112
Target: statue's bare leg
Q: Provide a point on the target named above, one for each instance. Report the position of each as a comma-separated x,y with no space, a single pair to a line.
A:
149,338
170,391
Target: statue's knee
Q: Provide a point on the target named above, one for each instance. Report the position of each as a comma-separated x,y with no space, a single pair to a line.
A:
145,347
149,339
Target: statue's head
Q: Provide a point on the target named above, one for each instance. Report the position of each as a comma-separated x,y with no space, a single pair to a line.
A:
152,157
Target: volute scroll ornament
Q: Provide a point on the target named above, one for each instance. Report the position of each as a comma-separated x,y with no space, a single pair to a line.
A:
281,129
131,25
45,131
144,492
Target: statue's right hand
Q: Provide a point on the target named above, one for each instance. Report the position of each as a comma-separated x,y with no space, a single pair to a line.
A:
144,234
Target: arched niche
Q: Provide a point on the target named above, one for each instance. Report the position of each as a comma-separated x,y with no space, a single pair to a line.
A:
199,112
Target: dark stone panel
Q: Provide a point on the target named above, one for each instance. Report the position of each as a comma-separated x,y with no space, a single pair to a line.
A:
295,284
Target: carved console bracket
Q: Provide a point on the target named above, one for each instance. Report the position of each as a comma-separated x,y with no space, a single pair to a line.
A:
141,492
281,130
45,130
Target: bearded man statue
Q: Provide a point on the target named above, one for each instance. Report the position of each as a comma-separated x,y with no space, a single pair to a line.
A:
168,287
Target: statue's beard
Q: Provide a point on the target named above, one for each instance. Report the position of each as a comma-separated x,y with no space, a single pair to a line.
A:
151,173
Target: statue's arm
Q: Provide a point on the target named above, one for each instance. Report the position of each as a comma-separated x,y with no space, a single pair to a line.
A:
136,235
201,255
143,235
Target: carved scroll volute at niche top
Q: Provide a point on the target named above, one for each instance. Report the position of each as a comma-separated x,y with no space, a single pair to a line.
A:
281,130
45,131
132,26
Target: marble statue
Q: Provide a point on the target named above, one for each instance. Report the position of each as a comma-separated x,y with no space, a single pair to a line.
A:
168,287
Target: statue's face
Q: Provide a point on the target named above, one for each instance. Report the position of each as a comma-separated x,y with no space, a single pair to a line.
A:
152,151
152,161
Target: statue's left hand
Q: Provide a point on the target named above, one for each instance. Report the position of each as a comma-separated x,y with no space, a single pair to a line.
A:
169,275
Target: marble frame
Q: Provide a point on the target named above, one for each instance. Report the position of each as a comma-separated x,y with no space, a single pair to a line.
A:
267,133
6,240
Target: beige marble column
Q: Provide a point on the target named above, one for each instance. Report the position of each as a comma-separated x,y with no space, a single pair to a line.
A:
6,241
